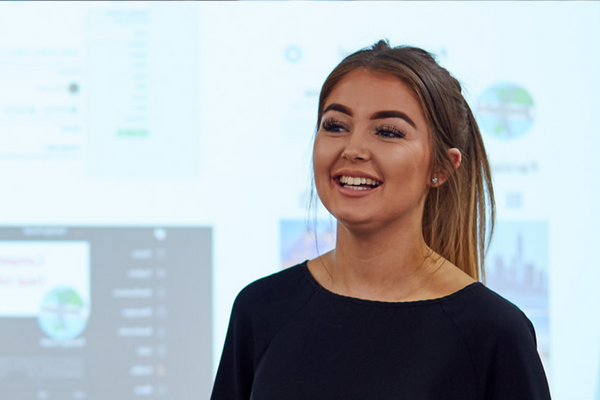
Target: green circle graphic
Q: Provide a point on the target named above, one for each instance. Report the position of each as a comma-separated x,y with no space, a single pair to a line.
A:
506,111
63,314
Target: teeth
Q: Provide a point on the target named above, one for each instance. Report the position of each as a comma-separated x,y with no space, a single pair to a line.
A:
349,180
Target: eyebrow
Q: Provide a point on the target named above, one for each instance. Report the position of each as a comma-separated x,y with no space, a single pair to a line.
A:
376,115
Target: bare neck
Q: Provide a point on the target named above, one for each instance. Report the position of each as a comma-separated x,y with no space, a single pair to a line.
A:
389,263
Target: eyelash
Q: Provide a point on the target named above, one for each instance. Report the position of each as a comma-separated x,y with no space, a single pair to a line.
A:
385,131
390,131
330,125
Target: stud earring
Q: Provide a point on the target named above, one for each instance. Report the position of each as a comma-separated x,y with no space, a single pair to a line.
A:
434,180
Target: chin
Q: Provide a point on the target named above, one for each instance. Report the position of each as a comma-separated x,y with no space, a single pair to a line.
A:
352,222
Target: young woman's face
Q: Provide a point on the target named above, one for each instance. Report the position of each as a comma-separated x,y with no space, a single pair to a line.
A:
371,154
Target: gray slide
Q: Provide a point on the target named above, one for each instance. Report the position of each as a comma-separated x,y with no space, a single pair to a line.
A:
105,313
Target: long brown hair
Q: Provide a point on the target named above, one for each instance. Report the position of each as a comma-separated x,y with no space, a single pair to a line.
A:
459,215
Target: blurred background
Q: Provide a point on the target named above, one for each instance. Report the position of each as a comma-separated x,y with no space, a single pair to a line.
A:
155,159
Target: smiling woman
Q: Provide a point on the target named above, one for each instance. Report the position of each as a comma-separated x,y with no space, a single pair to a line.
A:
396,310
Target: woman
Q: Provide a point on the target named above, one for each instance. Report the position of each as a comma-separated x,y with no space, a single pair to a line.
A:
396,310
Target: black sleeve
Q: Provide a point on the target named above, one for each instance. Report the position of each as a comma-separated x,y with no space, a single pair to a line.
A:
260,310
502,345
236,369
515,370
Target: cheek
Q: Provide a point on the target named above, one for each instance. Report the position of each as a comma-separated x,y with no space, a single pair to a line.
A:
324,155
409,167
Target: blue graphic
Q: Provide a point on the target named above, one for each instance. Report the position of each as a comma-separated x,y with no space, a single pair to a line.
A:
299,242
293,53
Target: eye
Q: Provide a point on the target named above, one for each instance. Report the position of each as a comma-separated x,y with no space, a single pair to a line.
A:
389,131
333,125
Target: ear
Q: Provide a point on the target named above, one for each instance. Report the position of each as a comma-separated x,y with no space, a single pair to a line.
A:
439,178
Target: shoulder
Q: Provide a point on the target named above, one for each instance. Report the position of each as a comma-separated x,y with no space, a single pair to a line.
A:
280,290
481,311
263,307
501,342
259,312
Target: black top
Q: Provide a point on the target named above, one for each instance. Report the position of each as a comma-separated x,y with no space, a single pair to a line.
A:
291,339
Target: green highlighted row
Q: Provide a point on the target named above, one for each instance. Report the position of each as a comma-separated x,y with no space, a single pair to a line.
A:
133,133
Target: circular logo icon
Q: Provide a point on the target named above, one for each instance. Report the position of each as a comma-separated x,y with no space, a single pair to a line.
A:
293,53
63,314
505,111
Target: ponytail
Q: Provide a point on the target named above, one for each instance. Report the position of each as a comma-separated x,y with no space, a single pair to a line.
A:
458,219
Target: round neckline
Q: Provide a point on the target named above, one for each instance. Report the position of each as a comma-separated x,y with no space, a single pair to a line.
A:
320,288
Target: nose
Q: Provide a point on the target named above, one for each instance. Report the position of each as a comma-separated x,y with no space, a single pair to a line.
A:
357,147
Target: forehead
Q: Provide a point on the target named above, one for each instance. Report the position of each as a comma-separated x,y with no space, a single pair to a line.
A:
366,91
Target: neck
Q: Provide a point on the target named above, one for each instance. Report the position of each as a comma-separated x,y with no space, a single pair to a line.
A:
390,263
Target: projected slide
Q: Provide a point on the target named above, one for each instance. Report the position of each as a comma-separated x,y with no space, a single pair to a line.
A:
102,313
41,104
95,88
34,273
142,72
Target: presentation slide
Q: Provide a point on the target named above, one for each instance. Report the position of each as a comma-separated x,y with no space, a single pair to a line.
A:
155,158
83,306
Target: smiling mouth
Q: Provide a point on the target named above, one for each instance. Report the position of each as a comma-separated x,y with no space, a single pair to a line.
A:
357,183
